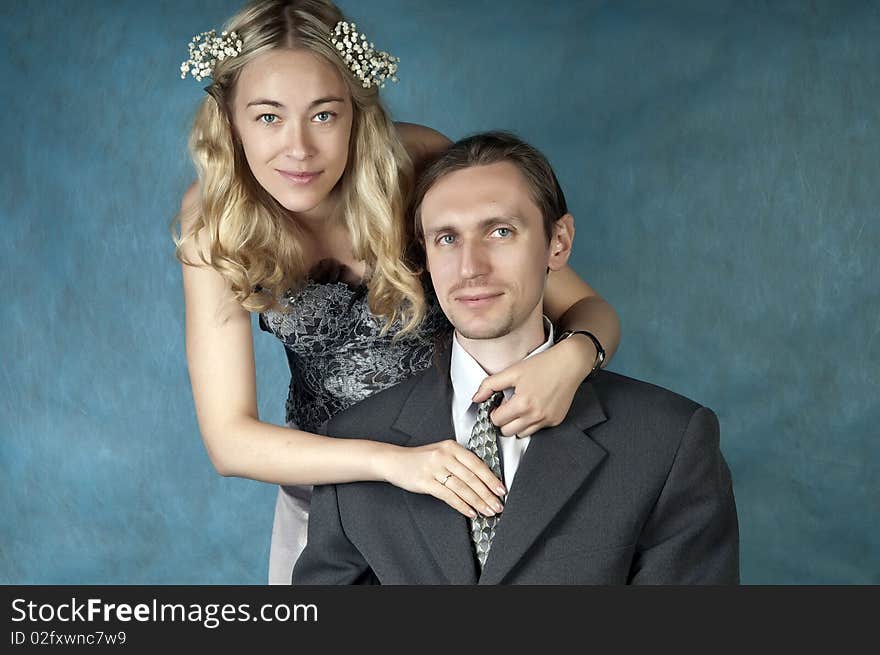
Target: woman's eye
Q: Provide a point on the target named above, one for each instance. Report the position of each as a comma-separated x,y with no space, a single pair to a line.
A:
446,240
324,116
268,119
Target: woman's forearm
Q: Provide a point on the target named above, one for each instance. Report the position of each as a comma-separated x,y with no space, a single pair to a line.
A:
597,316
249,448
261,451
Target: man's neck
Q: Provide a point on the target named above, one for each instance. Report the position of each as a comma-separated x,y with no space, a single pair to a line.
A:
495,355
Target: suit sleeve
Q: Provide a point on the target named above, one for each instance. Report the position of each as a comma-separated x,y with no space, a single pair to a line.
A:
330,558
692,534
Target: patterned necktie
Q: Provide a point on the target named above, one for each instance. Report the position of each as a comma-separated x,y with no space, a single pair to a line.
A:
484,442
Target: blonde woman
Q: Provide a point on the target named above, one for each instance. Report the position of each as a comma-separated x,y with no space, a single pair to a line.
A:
299,215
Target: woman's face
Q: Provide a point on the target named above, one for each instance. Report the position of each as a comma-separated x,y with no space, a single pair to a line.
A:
293,114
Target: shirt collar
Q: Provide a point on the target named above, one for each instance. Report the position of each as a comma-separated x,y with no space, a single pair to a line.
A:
467,375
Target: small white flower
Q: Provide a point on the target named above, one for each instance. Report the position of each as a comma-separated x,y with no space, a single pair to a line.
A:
370,66
206,49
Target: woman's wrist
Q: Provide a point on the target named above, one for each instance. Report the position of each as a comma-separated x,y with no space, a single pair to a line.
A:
581,349
380,460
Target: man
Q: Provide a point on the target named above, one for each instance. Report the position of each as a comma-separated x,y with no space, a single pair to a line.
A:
630,488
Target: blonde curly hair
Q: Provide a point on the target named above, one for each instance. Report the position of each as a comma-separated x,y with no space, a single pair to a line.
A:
245,234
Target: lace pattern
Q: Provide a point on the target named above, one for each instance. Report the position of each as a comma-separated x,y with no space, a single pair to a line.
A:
336,352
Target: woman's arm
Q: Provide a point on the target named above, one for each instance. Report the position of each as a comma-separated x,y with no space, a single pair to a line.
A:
572,304
546,383
422,143
220,357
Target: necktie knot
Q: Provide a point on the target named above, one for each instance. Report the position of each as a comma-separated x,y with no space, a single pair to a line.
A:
488,405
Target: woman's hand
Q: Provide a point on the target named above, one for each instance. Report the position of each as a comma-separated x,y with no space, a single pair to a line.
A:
448,471
544,388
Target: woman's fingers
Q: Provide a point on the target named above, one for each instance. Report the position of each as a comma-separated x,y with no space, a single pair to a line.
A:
470,488
450,472
441,492
498,382
479,469
528,431
515,415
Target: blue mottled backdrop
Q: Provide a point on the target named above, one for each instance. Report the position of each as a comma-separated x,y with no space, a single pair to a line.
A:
722,160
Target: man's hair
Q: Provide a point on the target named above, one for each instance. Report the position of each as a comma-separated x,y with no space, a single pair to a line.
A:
491,148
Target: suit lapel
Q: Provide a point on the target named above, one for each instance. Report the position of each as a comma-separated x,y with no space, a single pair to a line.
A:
427,417
555,465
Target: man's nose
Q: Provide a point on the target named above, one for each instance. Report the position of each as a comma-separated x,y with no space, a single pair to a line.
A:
474,259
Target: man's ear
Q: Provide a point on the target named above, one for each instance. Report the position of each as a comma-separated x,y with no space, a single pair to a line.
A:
560,242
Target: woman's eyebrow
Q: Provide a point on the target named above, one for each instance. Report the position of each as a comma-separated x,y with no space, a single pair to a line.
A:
263,101
279,105
321,101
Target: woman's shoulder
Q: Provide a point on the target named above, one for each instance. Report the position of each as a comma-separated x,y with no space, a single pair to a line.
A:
421,142
192,240
189,206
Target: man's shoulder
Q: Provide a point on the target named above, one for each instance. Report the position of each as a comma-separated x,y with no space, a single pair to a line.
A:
646,423
645,410
621,389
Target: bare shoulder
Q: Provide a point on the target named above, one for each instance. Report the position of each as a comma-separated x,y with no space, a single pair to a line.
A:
421,142
190,205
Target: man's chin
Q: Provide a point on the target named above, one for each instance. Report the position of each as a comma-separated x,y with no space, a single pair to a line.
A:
483,332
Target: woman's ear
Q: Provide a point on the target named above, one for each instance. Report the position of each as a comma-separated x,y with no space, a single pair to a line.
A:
560,242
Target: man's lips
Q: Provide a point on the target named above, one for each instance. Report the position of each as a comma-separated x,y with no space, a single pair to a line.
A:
477,299
299,177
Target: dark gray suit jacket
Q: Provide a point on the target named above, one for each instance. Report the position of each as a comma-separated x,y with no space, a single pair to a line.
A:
630,488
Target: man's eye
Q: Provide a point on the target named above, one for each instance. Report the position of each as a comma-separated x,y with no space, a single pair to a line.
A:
503,232
268,119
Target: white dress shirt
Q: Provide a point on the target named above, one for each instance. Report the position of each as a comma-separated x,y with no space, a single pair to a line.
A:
467,375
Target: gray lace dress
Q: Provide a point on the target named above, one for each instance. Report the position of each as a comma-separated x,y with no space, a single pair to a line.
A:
337,357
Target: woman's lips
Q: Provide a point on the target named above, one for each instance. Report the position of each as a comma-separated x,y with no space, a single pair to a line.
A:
298,177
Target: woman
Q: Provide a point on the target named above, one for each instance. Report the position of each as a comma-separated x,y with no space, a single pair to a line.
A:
299,214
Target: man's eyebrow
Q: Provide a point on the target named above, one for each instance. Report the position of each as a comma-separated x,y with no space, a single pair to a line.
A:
437,230
491,220
483,224
278,105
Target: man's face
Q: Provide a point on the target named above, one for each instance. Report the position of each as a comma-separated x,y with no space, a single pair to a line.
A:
487,251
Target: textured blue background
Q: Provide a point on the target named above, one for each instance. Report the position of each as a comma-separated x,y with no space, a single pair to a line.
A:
722,160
